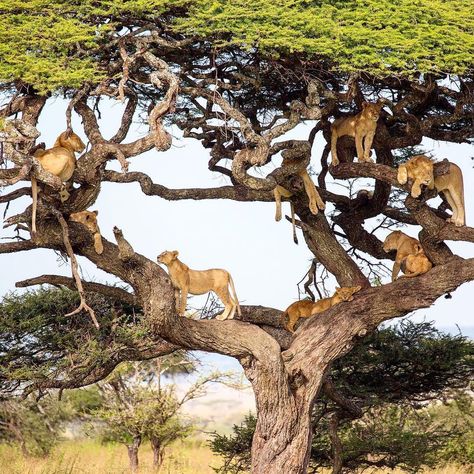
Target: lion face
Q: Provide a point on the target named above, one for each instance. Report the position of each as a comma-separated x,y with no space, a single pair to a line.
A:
346,293
87,218
372,111
421,167
73,140
167,256
391,241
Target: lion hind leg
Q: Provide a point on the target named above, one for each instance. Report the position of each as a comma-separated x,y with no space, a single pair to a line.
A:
334,137
311,192
229,305
458,207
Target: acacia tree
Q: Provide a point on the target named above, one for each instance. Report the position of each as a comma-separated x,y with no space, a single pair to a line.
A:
136,406
237,76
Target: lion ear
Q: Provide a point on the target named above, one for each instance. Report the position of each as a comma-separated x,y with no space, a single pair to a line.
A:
175,253
337,288
364,104
95,212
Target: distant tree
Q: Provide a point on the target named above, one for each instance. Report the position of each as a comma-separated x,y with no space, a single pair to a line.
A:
458,414
33,425
136,406
373,408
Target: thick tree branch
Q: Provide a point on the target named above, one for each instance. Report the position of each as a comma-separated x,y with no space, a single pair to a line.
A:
236,193
89,286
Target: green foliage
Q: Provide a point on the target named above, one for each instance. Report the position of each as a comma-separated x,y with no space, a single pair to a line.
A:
375,36
63,44
458,414
136,407
84,401
235,448
39,343
144,412
34,425
396,436
411,361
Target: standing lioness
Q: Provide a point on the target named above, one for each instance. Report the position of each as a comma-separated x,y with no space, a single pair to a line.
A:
199,282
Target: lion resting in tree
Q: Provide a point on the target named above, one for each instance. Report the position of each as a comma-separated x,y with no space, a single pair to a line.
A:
410,258
89,219
420,170
59,160
307,308
452,186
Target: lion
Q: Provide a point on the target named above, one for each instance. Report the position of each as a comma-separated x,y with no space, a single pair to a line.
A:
307,308
315,202
361,126
420,170
59,160
415,264
89,219
410,258
452,186
199,282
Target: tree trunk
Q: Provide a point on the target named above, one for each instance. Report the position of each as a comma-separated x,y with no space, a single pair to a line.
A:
287,450
133,453
158,452
282,439
336,444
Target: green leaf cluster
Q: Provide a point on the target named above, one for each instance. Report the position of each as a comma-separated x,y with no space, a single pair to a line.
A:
60,44
380,37
33,425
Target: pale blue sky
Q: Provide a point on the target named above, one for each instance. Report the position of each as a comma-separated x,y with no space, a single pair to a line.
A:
241,237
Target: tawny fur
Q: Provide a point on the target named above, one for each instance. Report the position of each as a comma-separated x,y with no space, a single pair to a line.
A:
59,160
315,201
361,126
410,258
414,265
452,186
199,282
89,219
420,170
306,308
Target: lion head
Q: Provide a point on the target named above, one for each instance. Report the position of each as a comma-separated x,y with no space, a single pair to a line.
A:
167,256
345,294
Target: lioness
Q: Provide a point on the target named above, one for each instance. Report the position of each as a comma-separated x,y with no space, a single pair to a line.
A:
198,282
406,246
452,186
420,170
361,126
89,219
306,308
59,160
414,265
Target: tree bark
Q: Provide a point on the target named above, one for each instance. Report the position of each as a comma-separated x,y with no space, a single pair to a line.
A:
336,444
133,453
158,452
285,446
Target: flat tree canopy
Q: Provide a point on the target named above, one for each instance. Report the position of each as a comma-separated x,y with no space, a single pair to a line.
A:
237,76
